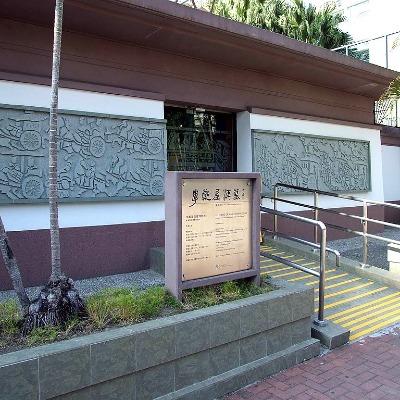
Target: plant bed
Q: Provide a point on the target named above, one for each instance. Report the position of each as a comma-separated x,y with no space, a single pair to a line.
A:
203,353
119,306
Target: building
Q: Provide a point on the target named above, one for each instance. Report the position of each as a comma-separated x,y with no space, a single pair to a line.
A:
150,85
374,27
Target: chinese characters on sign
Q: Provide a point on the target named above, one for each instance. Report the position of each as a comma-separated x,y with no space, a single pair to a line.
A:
216,227
218,195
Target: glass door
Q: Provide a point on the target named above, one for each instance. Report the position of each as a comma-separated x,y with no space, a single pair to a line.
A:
199,140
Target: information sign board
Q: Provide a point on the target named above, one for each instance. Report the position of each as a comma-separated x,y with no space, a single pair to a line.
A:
216,223
212,228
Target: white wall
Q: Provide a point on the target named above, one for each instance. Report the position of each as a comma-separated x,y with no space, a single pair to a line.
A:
24,94
265,122
244,156
390,167
17,217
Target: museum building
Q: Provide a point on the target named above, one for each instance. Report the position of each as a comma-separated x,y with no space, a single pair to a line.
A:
150,85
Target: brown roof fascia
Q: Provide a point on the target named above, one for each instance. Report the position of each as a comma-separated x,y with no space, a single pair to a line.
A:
176,16
179,29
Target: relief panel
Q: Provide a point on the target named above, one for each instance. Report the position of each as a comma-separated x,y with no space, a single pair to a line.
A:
315,162
100,157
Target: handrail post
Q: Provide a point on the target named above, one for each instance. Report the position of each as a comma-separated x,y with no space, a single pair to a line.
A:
321,274
321,295
387,50
275,209
365,237
315,217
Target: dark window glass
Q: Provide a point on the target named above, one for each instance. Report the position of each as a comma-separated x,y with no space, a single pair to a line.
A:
199,140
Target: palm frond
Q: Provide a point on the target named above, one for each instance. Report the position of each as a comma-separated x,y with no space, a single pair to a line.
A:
396,42
393,90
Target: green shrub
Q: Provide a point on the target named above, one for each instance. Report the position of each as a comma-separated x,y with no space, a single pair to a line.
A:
45,334
118,306
9,318
221,293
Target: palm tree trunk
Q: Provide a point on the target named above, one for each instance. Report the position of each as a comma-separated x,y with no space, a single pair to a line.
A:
13,270
53,190
58,300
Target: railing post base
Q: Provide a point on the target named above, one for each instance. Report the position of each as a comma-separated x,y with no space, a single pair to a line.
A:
319,323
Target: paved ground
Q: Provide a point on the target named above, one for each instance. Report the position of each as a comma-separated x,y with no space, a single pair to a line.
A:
367,369
377,249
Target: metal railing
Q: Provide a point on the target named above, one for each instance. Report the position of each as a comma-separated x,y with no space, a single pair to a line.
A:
379,51
322,248
387,112
379,47
364,219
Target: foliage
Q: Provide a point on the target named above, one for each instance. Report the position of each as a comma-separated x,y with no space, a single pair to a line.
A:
9,318
116,306
389,98
112,307
317,26
221,293
44,334
393,91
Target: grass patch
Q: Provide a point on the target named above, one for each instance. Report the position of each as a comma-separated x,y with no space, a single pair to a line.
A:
116,306
221,293
9,318
45,334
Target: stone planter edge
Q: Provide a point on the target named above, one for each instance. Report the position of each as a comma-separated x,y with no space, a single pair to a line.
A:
199,354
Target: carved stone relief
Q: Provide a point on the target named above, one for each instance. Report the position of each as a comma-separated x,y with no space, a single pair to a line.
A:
99,156
315,162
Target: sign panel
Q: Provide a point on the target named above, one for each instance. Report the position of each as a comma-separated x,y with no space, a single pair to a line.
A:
216,227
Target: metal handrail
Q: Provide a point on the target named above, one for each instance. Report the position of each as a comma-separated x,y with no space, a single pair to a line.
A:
364,219
316,246
322,248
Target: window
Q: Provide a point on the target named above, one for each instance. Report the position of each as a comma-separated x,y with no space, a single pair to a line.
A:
199,140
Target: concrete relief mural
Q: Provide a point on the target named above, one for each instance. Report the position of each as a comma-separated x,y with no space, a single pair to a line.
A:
315,162
100,156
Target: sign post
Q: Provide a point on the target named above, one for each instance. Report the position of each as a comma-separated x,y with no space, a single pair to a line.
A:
212,228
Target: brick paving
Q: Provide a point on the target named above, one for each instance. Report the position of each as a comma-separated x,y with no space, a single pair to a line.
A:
366,369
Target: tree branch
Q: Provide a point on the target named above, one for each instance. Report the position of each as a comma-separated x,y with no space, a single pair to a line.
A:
13,269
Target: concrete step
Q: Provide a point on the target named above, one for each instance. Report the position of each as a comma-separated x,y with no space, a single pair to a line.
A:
157,260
